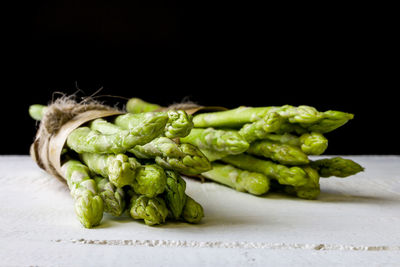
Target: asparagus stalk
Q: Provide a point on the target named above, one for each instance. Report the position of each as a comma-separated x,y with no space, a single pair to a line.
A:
137,105
243,115
307,117
244,181
192,211
129,121
213,155
259,129
88,205
332,120
311,189
184,158
150,180
152,210
120,169
105,127
104,137
179,124
313,143
224,141
37,111
113,197
295,176
174,194
310,143
282,153
336,166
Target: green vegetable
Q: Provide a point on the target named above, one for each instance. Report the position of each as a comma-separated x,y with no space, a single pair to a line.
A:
305,116
259,129
332,120
184,158
243,115
88,205
83,139
179,124
113,197
192,211
150,123
224,141
241,180
213,155
174,194
119,169
150,180
311,189
104,137
336,166
152,210
105,127
137,105
37,111
295,176
282,153
313,143
310,143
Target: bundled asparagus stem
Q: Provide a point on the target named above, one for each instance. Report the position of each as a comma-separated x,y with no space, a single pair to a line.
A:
130,163
223,141
252,182
88,204
185,158
282,153
251,144
113,197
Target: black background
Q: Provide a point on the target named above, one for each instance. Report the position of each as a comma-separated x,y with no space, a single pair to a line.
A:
166,52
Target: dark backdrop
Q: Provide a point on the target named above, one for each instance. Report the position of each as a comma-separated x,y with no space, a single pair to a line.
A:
166,52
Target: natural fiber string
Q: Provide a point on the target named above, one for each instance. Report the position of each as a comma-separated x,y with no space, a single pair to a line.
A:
58,114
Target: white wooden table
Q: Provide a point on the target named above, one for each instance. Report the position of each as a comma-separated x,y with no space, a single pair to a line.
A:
355,221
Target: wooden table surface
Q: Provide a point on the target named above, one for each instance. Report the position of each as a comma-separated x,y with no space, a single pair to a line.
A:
355,222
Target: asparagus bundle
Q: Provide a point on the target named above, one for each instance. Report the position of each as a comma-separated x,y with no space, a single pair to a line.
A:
129,163
257,149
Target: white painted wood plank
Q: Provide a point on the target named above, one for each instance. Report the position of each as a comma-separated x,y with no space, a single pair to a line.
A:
356,221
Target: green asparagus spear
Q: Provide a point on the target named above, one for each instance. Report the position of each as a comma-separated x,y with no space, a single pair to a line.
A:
179,124
37,111
332,120
83,139
259,129
282,153
213,155
305,116
311,189
243,181
184,158
150,180
192,211
137,105
336,166
88,205
174,194
119,169
225,141
313,143
113,197
105,127
152,210
106,138
156,122
285,175
243,115
233,118
310,143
